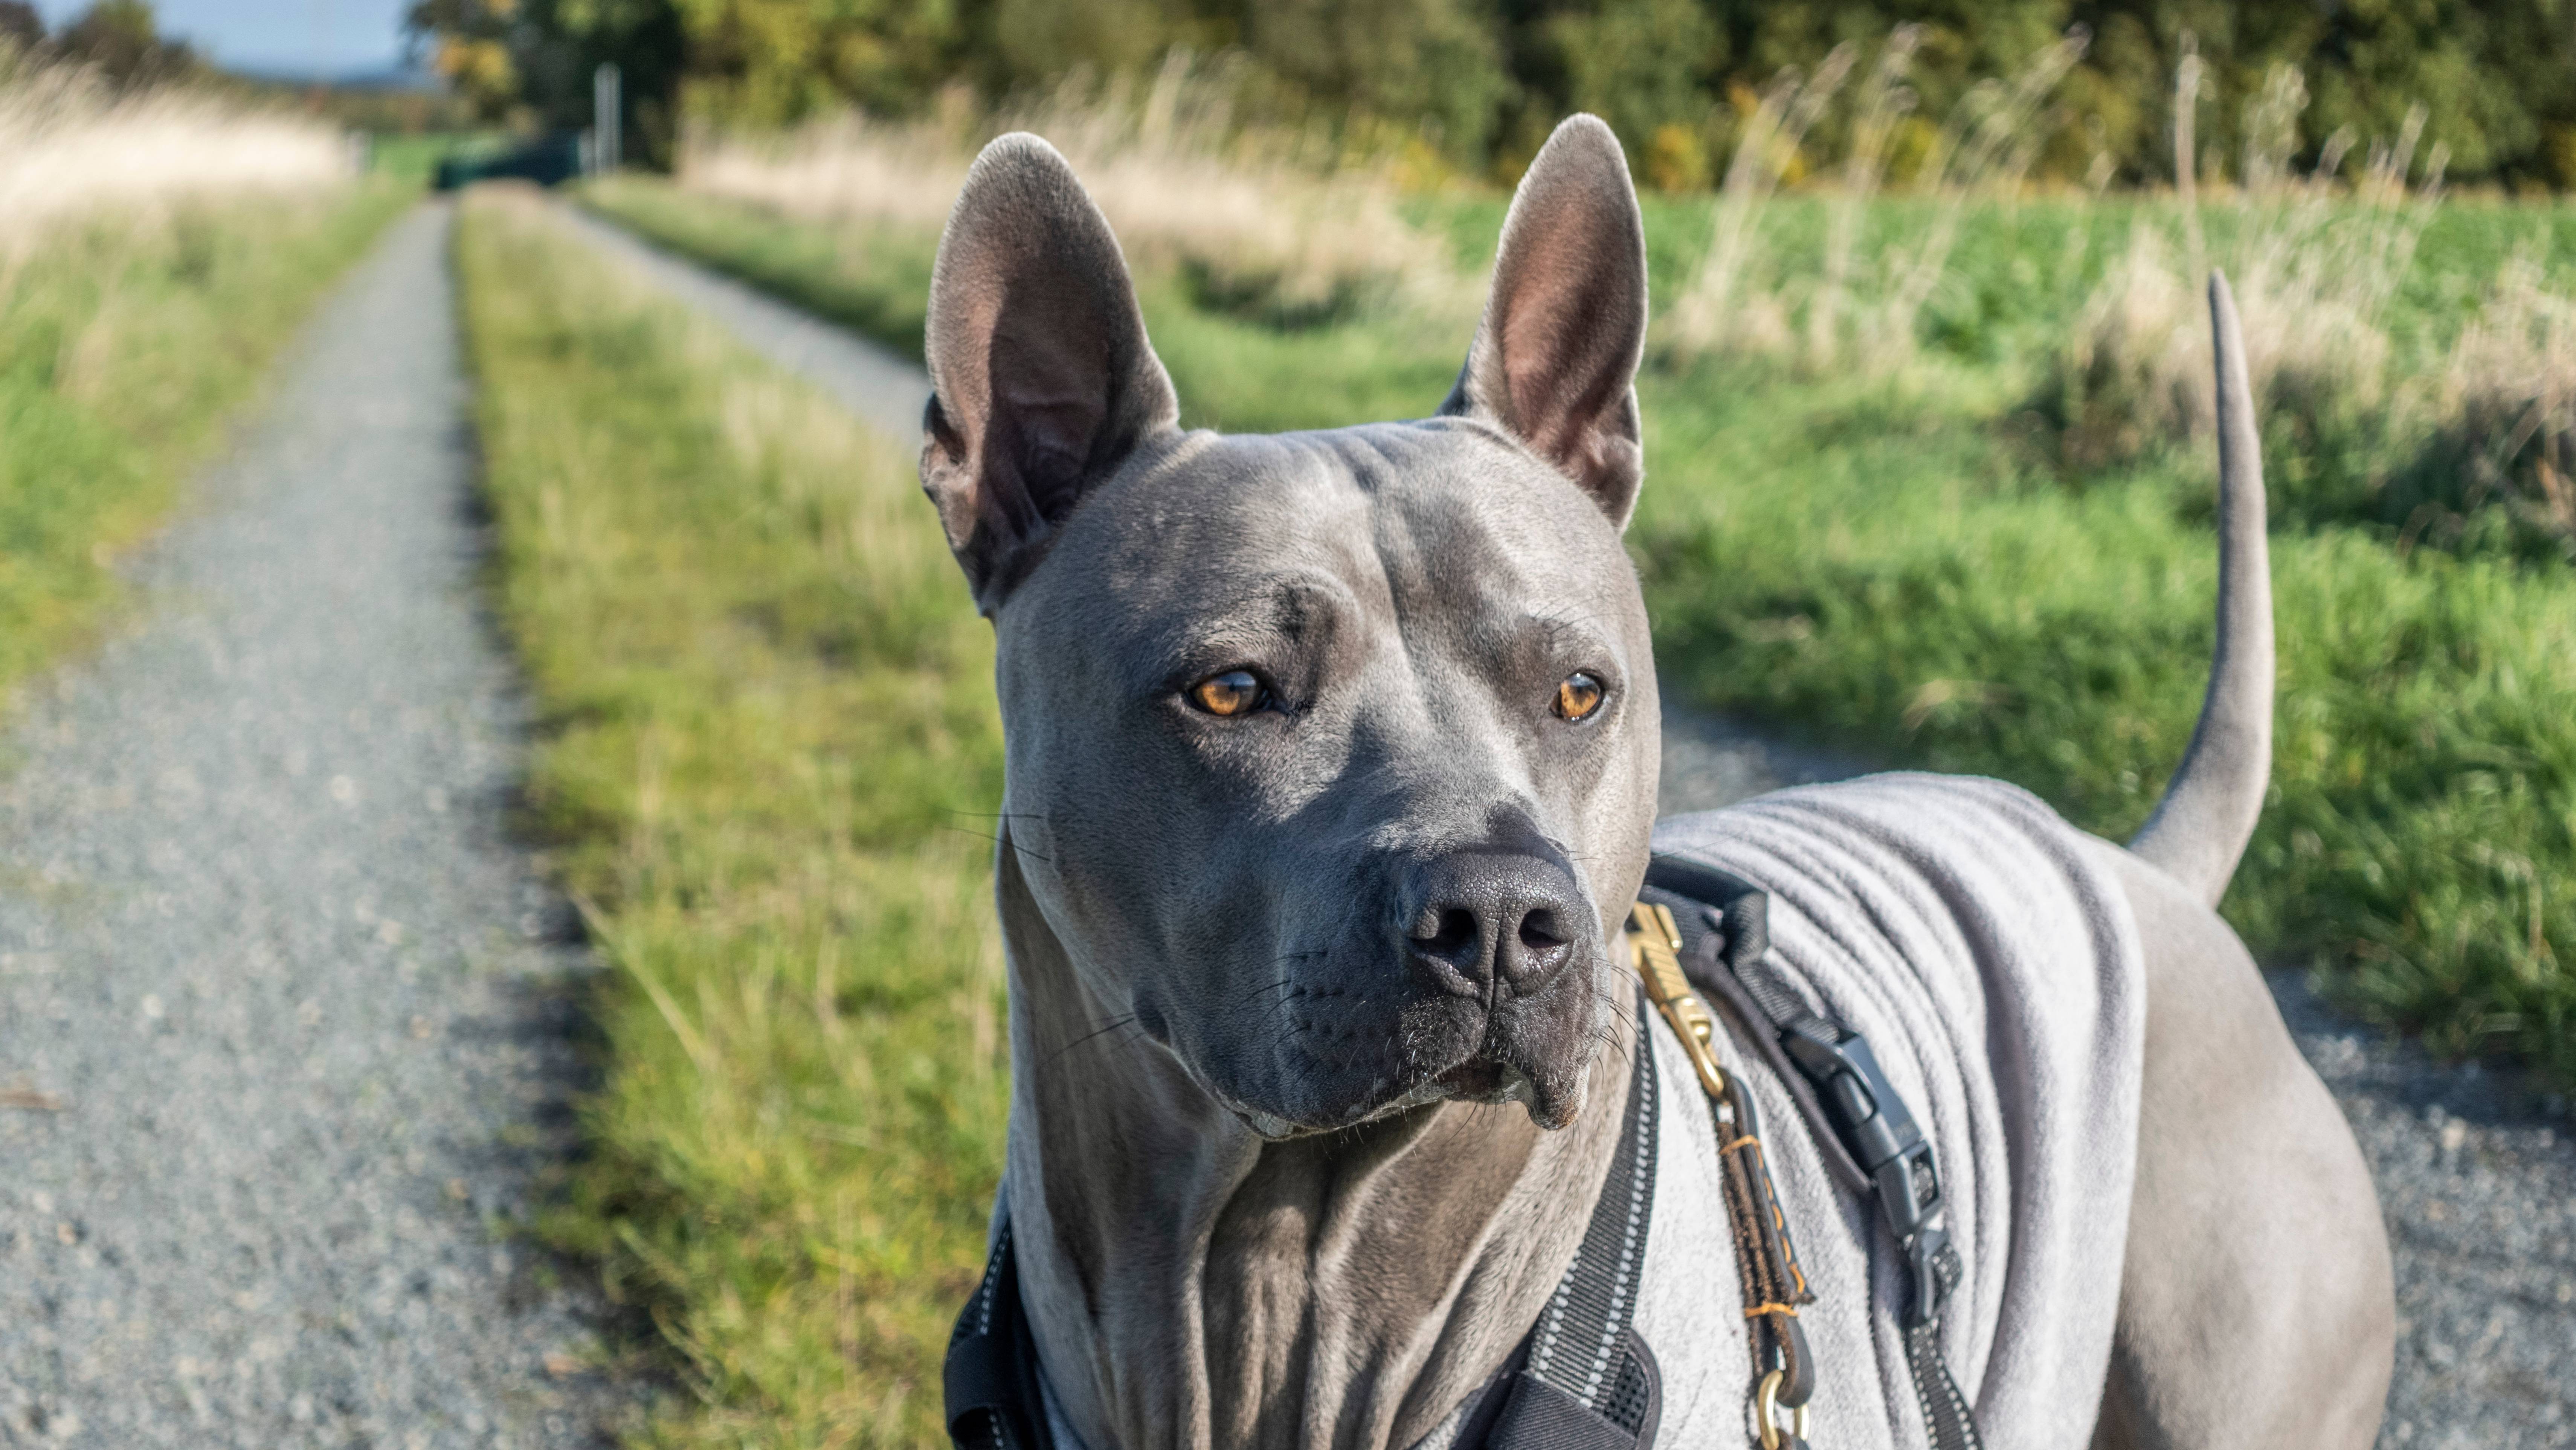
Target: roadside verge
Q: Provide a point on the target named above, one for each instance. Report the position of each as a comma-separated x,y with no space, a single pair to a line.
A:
766,768
128,340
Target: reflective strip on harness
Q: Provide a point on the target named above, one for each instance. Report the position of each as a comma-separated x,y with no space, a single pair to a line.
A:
1590,1382
990,1379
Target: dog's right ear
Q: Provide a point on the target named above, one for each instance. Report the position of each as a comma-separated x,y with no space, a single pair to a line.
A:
1041,379
1555,360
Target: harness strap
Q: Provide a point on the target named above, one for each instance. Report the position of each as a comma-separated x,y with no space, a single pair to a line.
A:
990,1379
1859,1121
1945,1410
1591,1383
1766,1258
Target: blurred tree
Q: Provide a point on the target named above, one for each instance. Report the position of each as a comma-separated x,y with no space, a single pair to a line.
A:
1647,67
121,39
21,28
1436,63
530,61
1036,42
1487,78
765,62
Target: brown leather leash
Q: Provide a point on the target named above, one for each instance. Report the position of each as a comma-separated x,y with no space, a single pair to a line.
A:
1766,1257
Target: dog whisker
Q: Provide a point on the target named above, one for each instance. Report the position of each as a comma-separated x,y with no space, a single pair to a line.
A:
1016,848
1096,1033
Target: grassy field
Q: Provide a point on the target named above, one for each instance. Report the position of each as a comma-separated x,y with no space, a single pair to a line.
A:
1922,564
128,339
767,730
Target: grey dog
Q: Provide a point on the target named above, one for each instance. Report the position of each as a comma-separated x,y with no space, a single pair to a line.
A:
1365,721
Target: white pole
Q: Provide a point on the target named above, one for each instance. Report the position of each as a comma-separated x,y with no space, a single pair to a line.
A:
603,104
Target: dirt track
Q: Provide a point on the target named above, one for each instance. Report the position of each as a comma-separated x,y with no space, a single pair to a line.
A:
284,1014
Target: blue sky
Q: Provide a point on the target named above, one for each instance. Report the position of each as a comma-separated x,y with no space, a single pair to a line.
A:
324,37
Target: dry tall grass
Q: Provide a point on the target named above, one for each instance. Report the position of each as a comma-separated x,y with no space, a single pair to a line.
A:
848,168
1280,227
155,252
70,147
1259,220
2508,405
2481,428
2313,262
1739,301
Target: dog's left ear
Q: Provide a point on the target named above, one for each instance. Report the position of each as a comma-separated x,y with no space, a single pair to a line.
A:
1555,360
1042,381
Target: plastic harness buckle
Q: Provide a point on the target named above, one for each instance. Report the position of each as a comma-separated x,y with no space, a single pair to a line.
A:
1874,1125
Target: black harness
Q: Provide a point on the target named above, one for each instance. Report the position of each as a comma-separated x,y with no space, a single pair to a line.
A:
1583,1379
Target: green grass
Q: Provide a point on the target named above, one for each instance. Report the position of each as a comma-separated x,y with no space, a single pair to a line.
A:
767,735
1896,582
126,345
1910,567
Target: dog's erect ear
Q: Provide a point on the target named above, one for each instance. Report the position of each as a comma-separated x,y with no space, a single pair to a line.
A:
1555,360
1041,379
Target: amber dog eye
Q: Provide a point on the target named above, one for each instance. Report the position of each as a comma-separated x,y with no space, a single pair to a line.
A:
1230,693
1578,697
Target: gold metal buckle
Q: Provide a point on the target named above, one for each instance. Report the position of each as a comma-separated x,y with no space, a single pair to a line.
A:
1654,947
1766,1414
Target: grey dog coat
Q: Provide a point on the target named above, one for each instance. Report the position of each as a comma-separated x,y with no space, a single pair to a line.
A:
1987,951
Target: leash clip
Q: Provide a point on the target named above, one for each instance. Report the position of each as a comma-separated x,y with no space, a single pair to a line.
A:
1654,948
1779,1424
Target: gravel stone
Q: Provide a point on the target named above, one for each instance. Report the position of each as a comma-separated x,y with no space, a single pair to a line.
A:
2476,1172
285,1015
2477,1182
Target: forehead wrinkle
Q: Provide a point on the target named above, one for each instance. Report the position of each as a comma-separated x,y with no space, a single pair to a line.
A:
1223,553
1246,503
1273,608
1442,585
1466,575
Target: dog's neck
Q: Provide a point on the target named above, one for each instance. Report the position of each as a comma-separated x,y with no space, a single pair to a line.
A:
1191,1285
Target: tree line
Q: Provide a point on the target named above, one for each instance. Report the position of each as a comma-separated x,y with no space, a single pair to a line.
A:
1481,81
118,40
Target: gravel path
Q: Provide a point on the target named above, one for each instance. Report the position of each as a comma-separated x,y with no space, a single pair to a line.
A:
886,391
284,1014
2477,1174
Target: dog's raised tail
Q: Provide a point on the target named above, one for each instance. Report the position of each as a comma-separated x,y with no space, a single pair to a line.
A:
2200,828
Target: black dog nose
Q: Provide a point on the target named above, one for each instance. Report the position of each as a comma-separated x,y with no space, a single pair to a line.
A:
1488,915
